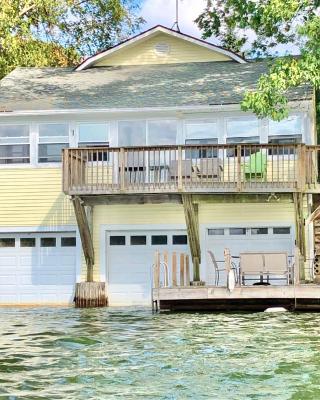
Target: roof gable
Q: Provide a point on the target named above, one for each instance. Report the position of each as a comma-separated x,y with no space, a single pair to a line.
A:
160,45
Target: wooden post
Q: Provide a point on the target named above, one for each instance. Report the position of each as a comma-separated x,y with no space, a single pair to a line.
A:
239,174
187,271
85,235
192,222
166,272
156,271
300,227
297,266
182,269
179,168
122,169
174,269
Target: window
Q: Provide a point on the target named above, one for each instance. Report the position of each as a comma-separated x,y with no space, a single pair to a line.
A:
138,240
237,231
283,140
162,133
68,242
242,128
159,239
180,239
117,241
14,144
131,133
289,126
215,232
7,242
52,139
48,242
243,140
93,134
281,231
242,132
28,242
259,231
202,133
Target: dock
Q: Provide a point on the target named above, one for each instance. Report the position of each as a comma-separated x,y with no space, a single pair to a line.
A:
302,297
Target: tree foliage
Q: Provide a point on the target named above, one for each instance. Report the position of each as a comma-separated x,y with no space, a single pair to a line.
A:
263,25
60,32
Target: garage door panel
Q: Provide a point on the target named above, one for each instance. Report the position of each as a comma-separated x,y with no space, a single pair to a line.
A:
129,266
7,261
38,274
245,243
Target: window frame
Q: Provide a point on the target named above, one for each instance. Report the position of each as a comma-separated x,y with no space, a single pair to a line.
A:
38,143
28,143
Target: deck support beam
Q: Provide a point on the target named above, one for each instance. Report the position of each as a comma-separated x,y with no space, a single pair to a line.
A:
192,222
300,230
85,235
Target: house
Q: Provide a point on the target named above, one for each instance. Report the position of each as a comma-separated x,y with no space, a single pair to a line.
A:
158,159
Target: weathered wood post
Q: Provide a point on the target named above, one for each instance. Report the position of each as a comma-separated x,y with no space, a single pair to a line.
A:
89,293
192,222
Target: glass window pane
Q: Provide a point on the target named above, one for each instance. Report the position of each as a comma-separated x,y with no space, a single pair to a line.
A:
68,242
214,232
117,240
132,133
202,130
49,130
159,239
13,131
48,242
16,153
281,231
237,231
242,127
259,231
239,140
138,240
94,133
28,242
180,239
51,152
162,132
7,242
288,126
285,139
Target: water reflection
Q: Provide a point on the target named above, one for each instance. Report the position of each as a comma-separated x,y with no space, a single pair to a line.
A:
134,354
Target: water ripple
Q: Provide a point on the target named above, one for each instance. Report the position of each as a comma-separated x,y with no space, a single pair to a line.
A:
134,354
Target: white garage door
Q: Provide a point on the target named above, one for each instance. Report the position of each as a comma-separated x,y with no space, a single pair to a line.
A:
242,239
37,268
130,256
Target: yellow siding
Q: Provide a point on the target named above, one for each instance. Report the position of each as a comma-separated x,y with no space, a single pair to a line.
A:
154,214
143,52
246,213
33,197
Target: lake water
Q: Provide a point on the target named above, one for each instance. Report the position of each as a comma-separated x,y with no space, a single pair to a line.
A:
134,354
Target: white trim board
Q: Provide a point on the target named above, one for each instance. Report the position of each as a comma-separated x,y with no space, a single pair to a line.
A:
293,105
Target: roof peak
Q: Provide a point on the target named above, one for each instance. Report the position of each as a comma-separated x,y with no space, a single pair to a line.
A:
87,63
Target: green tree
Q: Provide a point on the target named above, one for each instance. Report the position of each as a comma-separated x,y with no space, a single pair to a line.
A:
269,23
60,32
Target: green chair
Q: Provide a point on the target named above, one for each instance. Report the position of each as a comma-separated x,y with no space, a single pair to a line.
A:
256,167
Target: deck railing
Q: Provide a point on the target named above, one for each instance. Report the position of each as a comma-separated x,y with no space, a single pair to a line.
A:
191,168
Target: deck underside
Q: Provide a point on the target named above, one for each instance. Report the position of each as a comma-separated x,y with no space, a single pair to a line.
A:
254,298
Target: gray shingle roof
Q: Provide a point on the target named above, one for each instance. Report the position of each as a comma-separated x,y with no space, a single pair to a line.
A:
192,84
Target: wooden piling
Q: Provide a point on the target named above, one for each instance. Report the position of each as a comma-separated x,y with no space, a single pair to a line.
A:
90,294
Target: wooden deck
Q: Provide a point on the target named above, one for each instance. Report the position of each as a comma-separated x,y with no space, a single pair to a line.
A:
262,168
303,297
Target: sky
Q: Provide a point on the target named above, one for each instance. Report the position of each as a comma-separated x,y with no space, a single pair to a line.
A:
163,12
